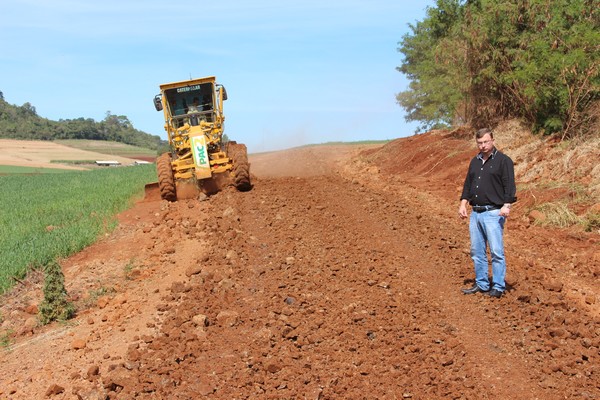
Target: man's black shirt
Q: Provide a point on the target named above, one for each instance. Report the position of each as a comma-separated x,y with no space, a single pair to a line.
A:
492,182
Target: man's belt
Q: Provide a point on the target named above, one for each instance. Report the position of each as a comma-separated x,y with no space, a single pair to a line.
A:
485,208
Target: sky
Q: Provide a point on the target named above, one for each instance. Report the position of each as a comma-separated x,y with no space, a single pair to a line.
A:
296,71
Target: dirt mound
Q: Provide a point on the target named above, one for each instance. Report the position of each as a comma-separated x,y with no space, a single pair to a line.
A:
336,276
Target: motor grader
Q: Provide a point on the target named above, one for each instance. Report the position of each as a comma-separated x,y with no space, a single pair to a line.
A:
199,159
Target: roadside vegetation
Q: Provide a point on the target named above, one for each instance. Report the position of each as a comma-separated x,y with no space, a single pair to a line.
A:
559,214
13,169
50,216
56,305
481,62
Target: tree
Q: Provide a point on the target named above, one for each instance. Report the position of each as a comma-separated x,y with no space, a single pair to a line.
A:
24,123
433,55
535,60
28,109
481,61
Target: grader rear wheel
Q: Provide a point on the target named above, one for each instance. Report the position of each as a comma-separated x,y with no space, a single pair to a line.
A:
240,173
166,181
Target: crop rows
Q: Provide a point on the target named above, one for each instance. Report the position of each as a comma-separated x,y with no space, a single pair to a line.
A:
51,216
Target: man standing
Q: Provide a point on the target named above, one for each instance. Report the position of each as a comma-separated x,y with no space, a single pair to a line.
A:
490,190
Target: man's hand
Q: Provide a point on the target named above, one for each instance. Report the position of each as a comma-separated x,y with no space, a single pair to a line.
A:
462,209
505,210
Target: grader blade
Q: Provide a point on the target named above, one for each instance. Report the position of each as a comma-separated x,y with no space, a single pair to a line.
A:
151,192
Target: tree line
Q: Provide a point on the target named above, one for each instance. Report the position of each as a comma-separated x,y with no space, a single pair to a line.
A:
478,62
23,122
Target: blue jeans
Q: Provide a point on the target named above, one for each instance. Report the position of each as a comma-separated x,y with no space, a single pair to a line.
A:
487,228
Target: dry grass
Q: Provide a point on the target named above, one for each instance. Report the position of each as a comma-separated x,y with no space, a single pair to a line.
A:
558,214
542,160
592,222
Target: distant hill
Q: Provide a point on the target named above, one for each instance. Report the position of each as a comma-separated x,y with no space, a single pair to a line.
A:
23,122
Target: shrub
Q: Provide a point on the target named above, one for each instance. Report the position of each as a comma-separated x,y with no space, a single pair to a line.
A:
56,306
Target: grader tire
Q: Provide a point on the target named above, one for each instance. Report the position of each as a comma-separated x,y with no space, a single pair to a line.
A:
166,181
241,168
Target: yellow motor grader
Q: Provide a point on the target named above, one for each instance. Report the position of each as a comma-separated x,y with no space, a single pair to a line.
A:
199,159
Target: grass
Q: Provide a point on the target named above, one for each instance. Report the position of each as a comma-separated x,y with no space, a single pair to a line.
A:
94,295
558,214
5,336
575,190
50,216
131,265
11,169
591,222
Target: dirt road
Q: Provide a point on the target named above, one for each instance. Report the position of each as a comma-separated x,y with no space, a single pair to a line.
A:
330,281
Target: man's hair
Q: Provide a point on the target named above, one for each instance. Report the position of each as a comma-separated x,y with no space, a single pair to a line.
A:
482,132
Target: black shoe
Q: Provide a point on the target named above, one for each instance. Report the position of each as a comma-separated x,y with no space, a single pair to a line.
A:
495,293
473,290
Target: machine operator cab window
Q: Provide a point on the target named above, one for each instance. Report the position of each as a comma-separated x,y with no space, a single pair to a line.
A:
191,104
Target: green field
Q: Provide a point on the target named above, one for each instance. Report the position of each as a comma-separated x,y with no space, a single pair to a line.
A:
11,169
49,216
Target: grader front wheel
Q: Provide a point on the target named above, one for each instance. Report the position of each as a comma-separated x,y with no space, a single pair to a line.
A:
166,181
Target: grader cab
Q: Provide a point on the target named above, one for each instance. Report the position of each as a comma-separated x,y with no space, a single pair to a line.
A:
199,159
